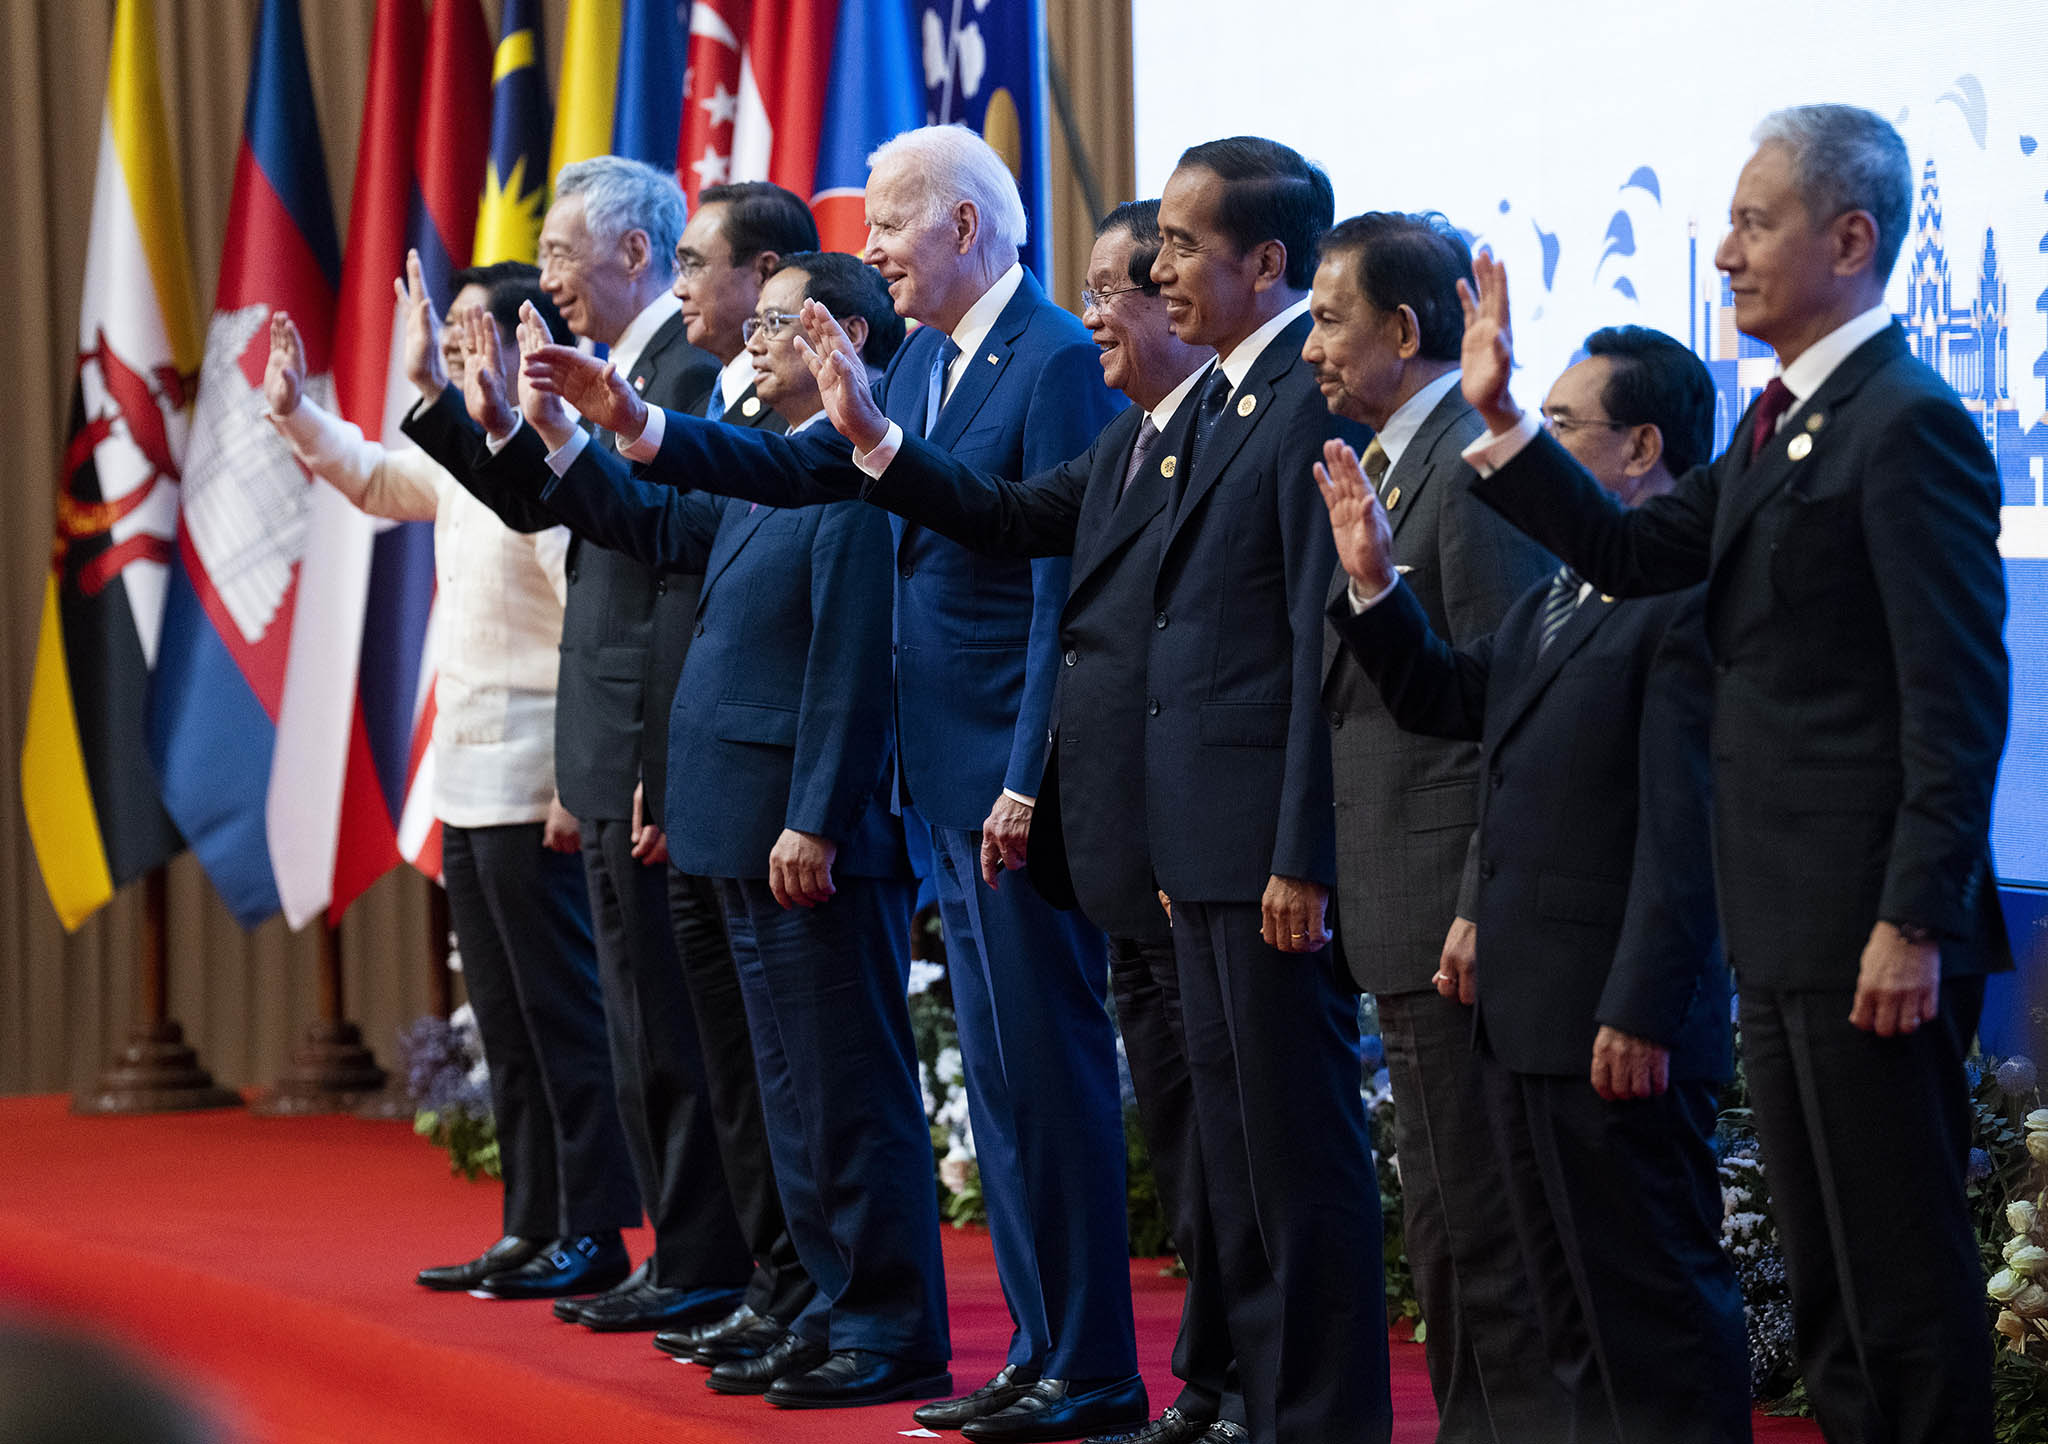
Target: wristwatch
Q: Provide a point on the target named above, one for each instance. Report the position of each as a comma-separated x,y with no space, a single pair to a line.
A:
1913,933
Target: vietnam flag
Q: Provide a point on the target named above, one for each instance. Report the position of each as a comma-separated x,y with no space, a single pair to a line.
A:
86,785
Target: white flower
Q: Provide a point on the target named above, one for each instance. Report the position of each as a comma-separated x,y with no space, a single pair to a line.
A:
923,973
2020,1216
949,1068
2013,1327
2029,1260
2037,1121
2031,1302
956,1171
2004,1285
2037,1146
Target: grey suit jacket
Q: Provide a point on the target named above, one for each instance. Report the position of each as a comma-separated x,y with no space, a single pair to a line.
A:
1407,804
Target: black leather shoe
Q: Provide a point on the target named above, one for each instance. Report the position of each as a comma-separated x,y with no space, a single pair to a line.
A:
653,1307
507,1253
750,1341
851,1378
1005,1389
791,1355
1225,1432
586,1265
1175,1426
683,1343
1058,1409
569,1310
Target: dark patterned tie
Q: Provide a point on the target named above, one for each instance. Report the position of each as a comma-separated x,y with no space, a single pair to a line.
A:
1141,452
1209,406
1375,464
1558,605
935,390
1774,403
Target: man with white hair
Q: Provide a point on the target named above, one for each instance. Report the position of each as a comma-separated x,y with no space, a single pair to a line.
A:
999,376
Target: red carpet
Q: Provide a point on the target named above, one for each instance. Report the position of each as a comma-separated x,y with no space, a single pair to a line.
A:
269,1264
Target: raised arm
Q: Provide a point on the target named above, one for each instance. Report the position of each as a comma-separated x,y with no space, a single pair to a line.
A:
600,499
403,486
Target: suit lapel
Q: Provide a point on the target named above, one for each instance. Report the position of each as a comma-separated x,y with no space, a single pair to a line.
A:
1107,523
1584,622
1238,424
986,366
732,536
1409,481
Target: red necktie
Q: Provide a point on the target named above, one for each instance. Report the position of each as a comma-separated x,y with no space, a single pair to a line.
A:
1775,402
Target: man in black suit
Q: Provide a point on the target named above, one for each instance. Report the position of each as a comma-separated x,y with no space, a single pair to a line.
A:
607,250
1849,542
1385,352
1602,996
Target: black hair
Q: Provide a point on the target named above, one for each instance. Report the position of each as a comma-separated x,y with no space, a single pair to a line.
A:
1653,377
1414,261
848,286
1140,220
507,285
1270,194
761,216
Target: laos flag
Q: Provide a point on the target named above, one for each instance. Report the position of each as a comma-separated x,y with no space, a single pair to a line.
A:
218,690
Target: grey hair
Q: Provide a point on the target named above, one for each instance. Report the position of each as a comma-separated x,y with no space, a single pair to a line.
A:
1847,159
953,164
621,195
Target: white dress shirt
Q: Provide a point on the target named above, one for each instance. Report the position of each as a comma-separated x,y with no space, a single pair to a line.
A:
624,355
1394,438
498,623
733,380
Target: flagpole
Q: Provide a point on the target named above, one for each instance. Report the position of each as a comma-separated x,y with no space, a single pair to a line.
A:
157,1072
330,1071
440,990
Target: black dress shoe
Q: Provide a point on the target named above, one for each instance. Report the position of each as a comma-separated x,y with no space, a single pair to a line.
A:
1060,1409
1225,1432
653,1307
854,1377
569,1310
791,1355
749,1341
684,1342
1175,1426
507,1253
1005,1389
586,1265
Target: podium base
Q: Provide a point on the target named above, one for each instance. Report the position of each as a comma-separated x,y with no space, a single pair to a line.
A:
157,1072
330,1072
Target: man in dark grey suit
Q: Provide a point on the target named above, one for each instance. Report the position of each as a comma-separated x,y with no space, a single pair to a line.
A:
1603,1026
1848,540
1385,349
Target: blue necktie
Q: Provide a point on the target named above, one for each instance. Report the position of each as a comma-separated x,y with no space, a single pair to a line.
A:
1215,395
1558,605
935,389
714,404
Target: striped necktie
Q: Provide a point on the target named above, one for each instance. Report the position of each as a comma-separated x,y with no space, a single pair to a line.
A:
1558,605
1141,452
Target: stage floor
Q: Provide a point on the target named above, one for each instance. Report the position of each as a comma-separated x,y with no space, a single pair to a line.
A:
269,1264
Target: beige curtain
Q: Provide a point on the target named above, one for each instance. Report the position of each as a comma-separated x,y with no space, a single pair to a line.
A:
244,998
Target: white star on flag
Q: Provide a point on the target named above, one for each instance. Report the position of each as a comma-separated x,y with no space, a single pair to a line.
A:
713,169
721,106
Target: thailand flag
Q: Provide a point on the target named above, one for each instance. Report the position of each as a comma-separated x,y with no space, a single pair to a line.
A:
217,696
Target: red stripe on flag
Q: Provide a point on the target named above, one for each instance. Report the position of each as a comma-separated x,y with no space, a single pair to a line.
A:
454,131
365,841
265,260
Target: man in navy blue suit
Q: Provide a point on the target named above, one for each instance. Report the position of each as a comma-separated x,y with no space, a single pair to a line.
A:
782,715
1007,381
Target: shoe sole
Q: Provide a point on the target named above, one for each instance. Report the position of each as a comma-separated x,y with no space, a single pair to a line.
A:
736,1386
1056,1435
932,1386
956,1424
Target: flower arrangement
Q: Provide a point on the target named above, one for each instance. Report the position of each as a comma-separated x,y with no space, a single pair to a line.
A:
449,1085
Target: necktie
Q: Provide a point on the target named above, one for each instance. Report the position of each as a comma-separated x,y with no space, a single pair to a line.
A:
935,390
1375,463
714,404
1141,452
1558,605
1774,403
1208,411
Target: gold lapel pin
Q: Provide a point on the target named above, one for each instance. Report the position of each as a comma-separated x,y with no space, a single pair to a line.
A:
1393,498
1816,421
1607,598
751,406
1801,445
639,383
1169,466
1244,407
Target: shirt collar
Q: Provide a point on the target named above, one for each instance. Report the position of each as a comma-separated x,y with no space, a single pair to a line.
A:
1404,423
982,315
808,422
1817,362
625,355
1238,364
1162,415
734,378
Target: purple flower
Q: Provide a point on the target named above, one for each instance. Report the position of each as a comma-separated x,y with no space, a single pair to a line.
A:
2017,1075
1979,1167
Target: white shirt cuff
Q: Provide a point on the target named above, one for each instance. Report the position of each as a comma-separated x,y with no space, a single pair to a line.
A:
1016,796
1497,448
497,444
564,456
1360,603
648,444
875,462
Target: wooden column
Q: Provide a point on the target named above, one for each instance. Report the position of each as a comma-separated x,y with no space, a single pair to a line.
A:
330,1070
156,1072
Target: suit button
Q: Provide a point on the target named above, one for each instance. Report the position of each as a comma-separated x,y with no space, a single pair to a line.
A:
1495,777
1336,719
1724,668
907,572
1152,707
700,630
1486,871
661,586
572,574
1160,621
1072,656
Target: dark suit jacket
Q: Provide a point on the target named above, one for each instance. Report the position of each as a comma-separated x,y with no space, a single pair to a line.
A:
1406,803
783,709
614,656
1855,606
1595,897
974,636
1233,746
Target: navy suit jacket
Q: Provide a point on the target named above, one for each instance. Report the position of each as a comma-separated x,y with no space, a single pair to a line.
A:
975,637
783,708
1855,608
1595,887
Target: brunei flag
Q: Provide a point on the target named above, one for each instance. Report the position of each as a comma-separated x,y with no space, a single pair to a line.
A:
516,175
86,782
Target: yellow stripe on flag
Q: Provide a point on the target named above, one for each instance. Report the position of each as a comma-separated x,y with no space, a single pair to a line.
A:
135,111
515,52
54,792
589,84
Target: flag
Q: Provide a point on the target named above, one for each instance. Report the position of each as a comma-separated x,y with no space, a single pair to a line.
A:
755,105
985,69
86,787
589,84
233,585
516,179
648,115
873,93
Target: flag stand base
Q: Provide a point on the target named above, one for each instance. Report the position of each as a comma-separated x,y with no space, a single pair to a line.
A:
157,1072
330,1072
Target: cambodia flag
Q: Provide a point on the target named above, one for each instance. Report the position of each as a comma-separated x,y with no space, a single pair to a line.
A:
985,68
873,94
218,691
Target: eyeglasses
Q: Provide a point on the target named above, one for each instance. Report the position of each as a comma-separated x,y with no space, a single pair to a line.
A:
1094,300
1565,425
777,324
